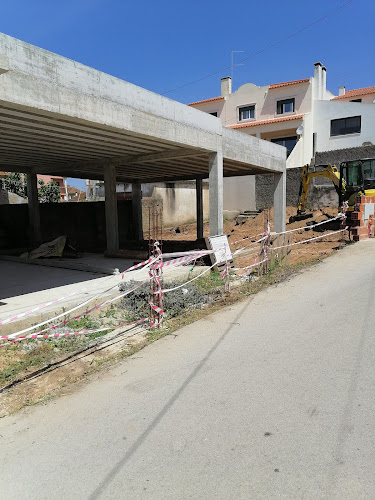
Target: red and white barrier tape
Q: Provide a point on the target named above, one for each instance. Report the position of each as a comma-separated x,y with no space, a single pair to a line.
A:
9,340
251,266
155,308
339,216
310,239
35,336
182,260
108,301
187,282
22,315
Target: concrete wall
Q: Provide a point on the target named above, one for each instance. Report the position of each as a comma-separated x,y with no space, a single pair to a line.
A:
264,189
179,202
83,223
321,191
239,193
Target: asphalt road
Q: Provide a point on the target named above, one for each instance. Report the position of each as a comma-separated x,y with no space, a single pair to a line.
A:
273,398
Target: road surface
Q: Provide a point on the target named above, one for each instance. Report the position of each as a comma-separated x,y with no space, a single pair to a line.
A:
272,398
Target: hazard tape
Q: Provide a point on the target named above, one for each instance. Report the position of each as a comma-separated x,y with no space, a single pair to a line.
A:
181,260
50,336
339,216
108,301
310,239
251,266
19,316
8,340
155,308
249,238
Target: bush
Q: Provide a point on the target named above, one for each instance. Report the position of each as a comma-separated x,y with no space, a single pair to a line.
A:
174,303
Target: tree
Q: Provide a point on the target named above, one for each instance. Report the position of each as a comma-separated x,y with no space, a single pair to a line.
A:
47,193
15,183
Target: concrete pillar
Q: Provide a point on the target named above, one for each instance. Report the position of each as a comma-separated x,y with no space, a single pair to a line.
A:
137,210
111,218
279,202
34,213
199,193
215,162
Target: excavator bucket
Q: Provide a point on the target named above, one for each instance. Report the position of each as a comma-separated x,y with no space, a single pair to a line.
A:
301,216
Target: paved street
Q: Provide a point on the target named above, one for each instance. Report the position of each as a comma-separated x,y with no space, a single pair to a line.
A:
272,398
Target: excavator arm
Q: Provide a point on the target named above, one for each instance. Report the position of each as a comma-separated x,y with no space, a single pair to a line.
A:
330,172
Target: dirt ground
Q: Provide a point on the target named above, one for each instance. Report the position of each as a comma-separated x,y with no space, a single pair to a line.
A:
253,227
59,380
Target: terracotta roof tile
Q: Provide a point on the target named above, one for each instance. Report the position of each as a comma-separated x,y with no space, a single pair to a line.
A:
355,93
207,100
286,84
266,122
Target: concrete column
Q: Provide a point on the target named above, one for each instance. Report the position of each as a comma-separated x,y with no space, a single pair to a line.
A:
34,213
279,202
215,162
111,218
137,210
199,193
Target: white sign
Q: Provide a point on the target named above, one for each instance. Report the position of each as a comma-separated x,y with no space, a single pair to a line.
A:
220,246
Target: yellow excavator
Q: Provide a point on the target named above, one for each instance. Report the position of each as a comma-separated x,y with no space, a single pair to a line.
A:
354,178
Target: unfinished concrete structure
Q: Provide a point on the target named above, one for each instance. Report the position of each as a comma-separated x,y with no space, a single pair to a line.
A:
59,117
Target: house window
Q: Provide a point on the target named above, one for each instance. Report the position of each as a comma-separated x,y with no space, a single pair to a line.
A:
343,126
246,113
356,100
285,106
287,142
214,113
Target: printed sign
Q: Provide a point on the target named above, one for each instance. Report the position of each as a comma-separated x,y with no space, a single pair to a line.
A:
220,246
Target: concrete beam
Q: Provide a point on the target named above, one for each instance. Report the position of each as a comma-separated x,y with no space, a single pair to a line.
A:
137,210
111,217
199,197
4,64
251,151
117,161
6,167
215,163
279,203
34,213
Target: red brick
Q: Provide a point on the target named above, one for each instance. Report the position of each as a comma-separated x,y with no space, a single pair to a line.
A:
360,231
359,207
357,215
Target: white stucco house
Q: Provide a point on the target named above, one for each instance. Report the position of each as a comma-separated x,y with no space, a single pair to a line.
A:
302,115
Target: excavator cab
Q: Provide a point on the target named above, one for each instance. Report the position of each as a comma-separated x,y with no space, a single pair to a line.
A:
359,179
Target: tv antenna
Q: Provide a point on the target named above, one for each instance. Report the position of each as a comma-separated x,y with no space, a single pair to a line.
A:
232,64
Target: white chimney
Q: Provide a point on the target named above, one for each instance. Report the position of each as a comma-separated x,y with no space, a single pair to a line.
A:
318,81
226,86
324,82
342,90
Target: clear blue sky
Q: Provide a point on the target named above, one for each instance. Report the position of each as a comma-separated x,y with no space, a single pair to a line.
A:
166,44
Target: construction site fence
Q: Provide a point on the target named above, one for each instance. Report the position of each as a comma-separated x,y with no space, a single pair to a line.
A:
271,246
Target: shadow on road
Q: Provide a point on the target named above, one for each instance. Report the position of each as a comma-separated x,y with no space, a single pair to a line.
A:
136,445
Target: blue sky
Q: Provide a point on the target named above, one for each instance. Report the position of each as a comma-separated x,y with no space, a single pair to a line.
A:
166,45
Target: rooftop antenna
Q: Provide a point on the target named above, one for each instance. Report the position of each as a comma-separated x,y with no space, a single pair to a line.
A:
232,65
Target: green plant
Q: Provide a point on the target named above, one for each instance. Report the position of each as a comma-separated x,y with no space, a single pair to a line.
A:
47,193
